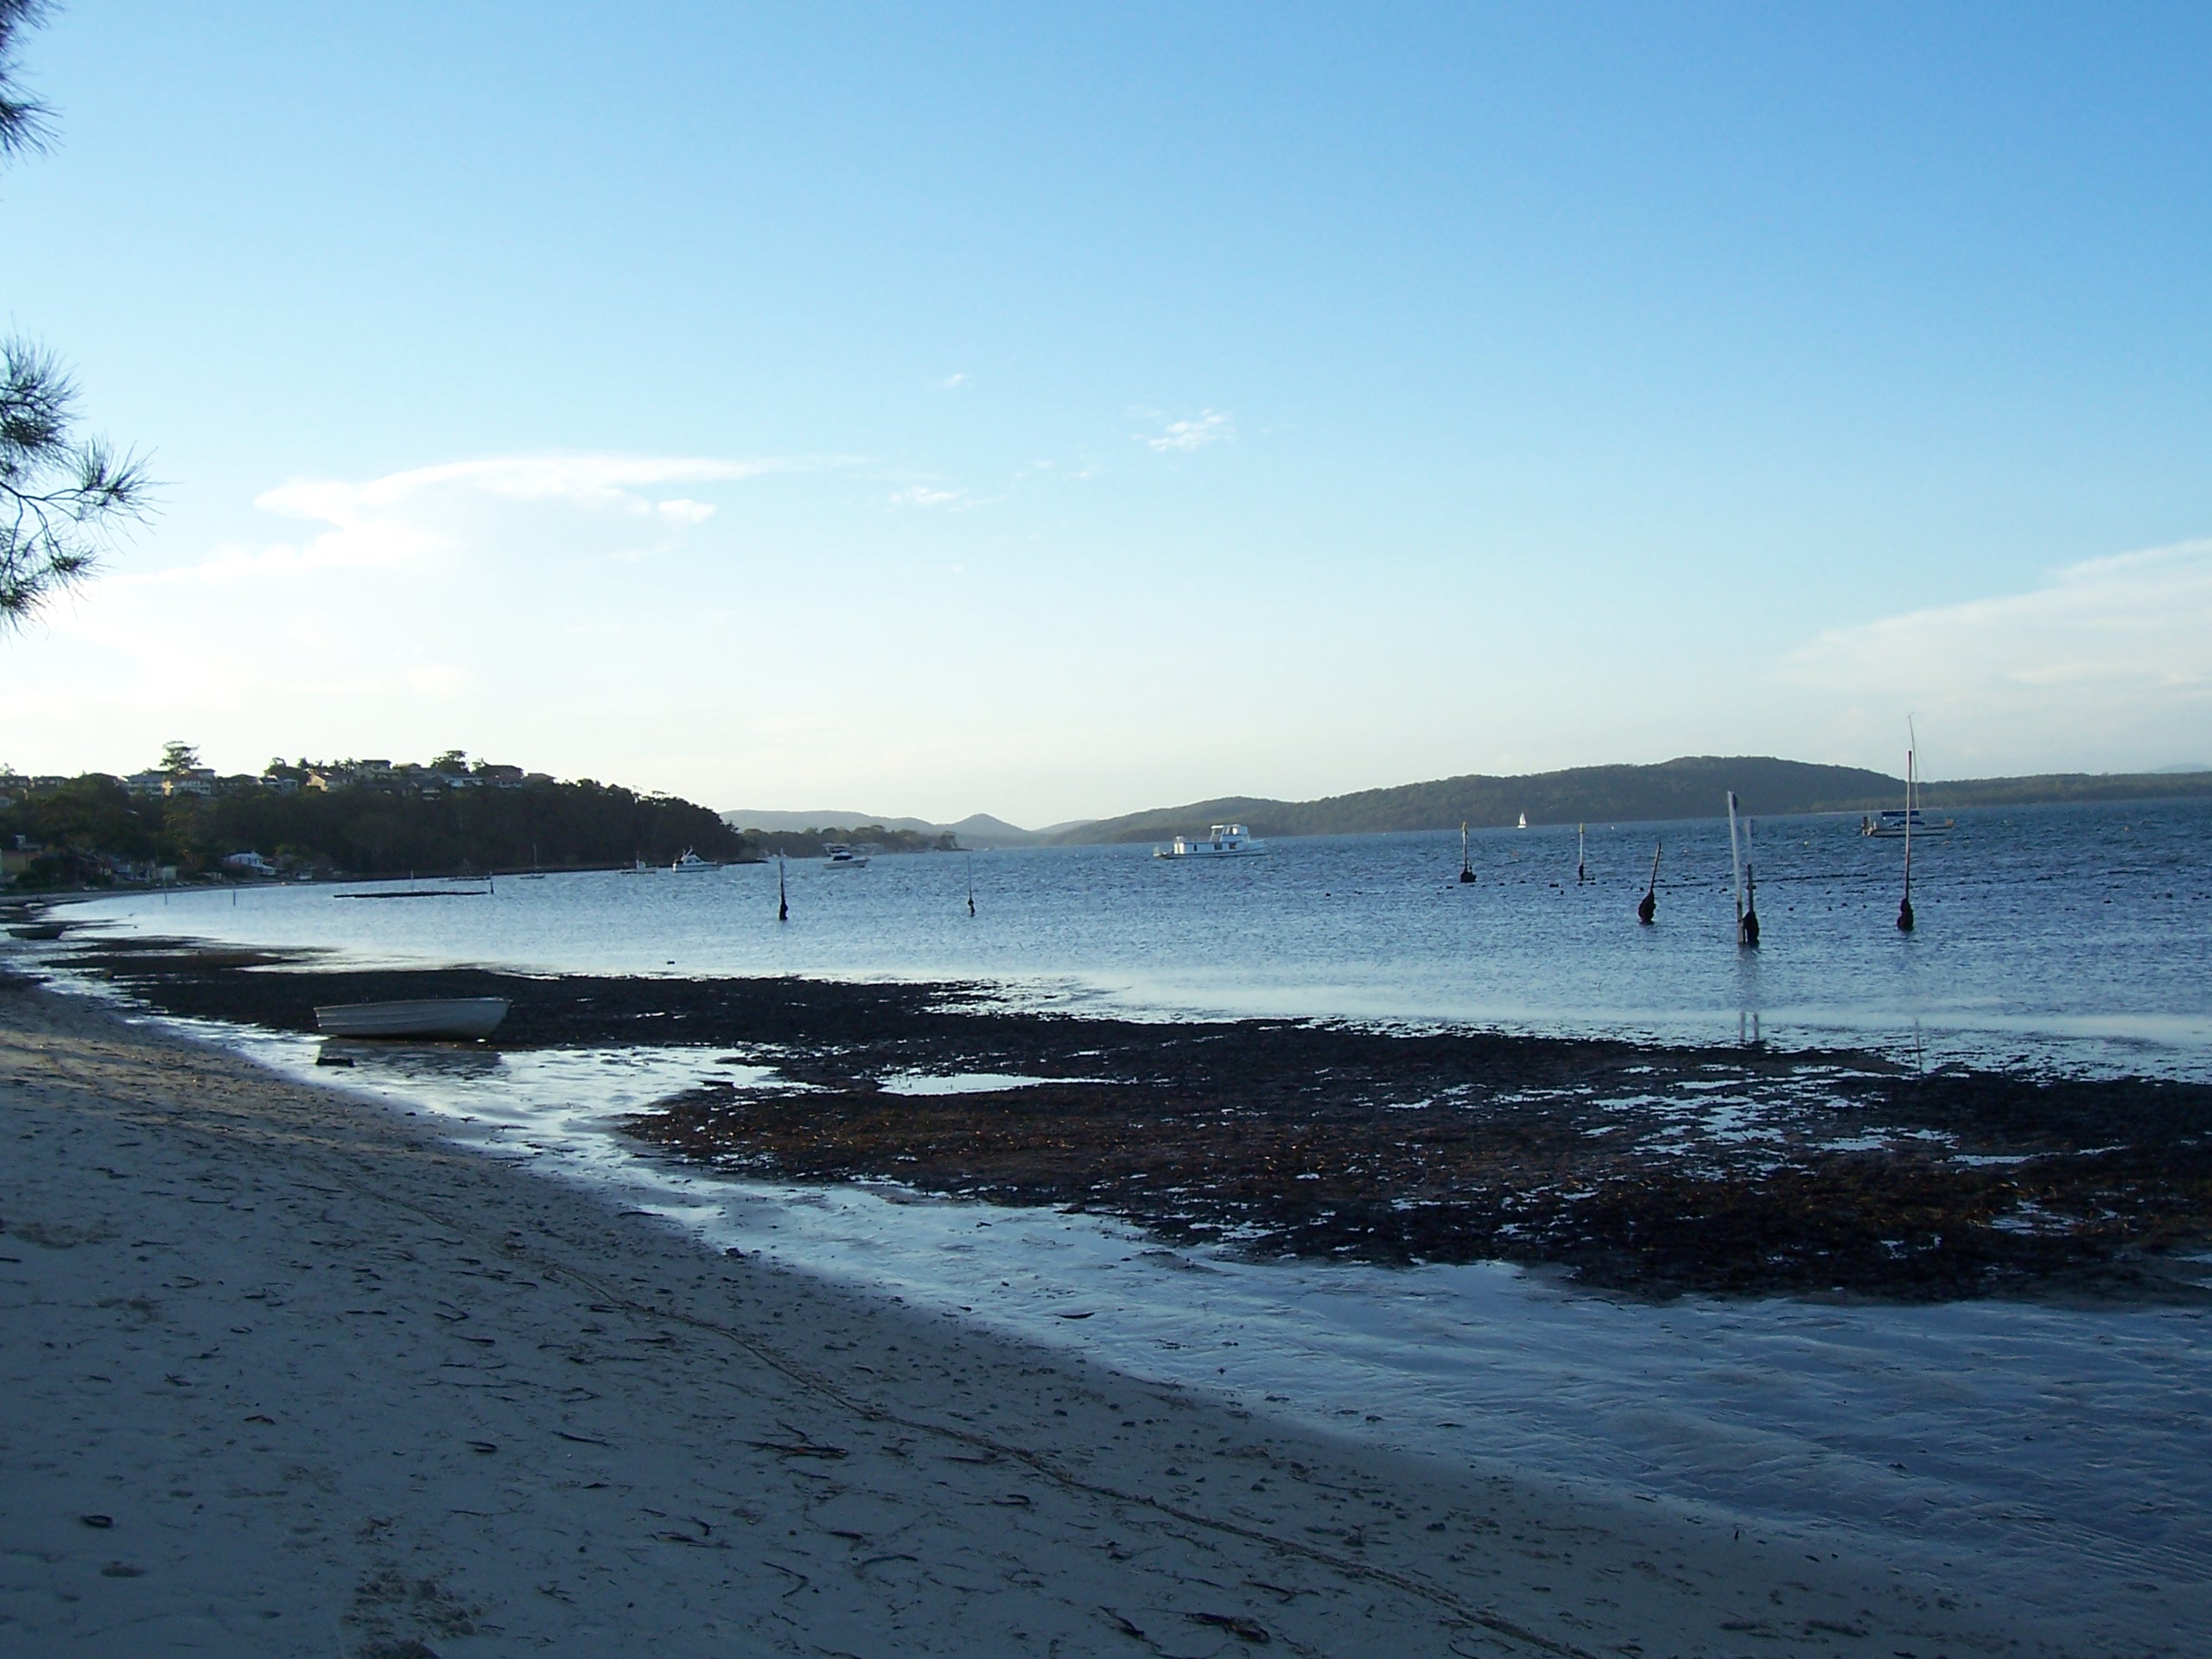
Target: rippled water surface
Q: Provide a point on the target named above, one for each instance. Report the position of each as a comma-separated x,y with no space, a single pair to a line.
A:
2078,936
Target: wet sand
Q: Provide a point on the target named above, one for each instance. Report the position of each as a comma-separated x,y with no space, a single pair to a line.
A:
284,1372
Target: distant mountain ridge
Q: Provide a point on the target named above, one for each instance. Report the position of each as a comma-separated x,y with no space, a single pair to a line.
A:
1692,787
977,830
748,818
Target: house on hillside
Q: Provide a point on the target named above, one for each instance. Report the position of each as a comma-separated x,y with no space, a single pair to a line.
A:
248,864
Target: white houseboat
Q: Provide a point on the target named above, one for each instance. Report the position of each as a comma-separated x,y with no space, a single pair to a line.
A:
1223,841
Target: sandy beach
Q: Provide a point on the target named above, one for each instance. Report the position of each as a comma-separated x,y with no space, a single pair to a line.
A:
285,1372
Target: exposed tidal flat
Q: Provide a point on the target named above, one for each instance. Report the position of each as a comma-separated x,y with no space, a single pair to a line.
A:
1924,1304
1635,1166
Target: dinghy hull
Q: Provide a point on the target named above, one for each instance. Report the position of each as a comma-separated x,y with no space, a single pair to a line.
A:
457,1016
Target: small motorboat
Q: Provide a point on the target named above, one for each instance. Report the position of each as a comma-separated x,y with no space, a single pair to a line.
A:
1221,840
842,857
690,860
444,1016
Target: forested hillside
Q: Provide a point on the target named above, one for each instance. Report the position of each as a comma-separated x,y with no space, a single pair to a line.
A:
91,829
1692,787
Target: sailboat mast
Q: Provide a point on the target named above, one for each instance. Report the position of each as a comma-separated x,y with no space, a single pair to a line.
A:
1578,852
1911,765
1736,864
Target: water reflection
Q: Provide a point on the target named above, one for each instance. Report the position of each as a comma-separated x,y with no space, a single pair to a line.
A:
413,1060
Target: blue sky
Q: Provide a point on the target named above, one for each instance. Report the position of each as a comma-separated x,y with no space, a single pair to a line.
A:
1055,411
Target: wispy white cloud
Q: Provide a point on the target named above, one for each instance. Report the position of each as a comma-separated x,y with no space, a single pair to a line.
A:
921,495
2113,655
952,382
1208,426
679,511
2138,619
393,567
592,480
408,518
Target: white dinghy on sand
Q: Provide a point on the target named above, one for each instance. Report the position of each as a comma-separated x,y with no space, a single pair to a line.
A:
449,1016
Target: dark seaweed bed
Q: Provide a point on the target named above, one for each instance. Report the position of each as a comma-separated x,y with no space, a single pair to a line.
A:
1650,1169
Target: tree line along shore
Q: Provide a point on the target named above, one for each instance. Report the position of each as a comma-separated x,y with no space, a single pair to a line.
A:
183,822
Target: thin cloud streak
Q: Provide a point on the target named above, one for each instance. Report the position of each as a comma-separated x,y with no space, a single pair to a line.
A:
2136,621
591,481
921,495
395,520
286,624
2113,655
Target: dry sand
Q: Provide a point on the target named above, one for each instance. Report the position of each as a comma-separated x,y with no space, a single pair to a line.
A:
283,1372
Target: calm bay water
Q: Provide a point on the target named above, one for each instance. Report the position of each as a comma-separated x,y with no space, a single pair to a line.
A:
2078,936
2043,1455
